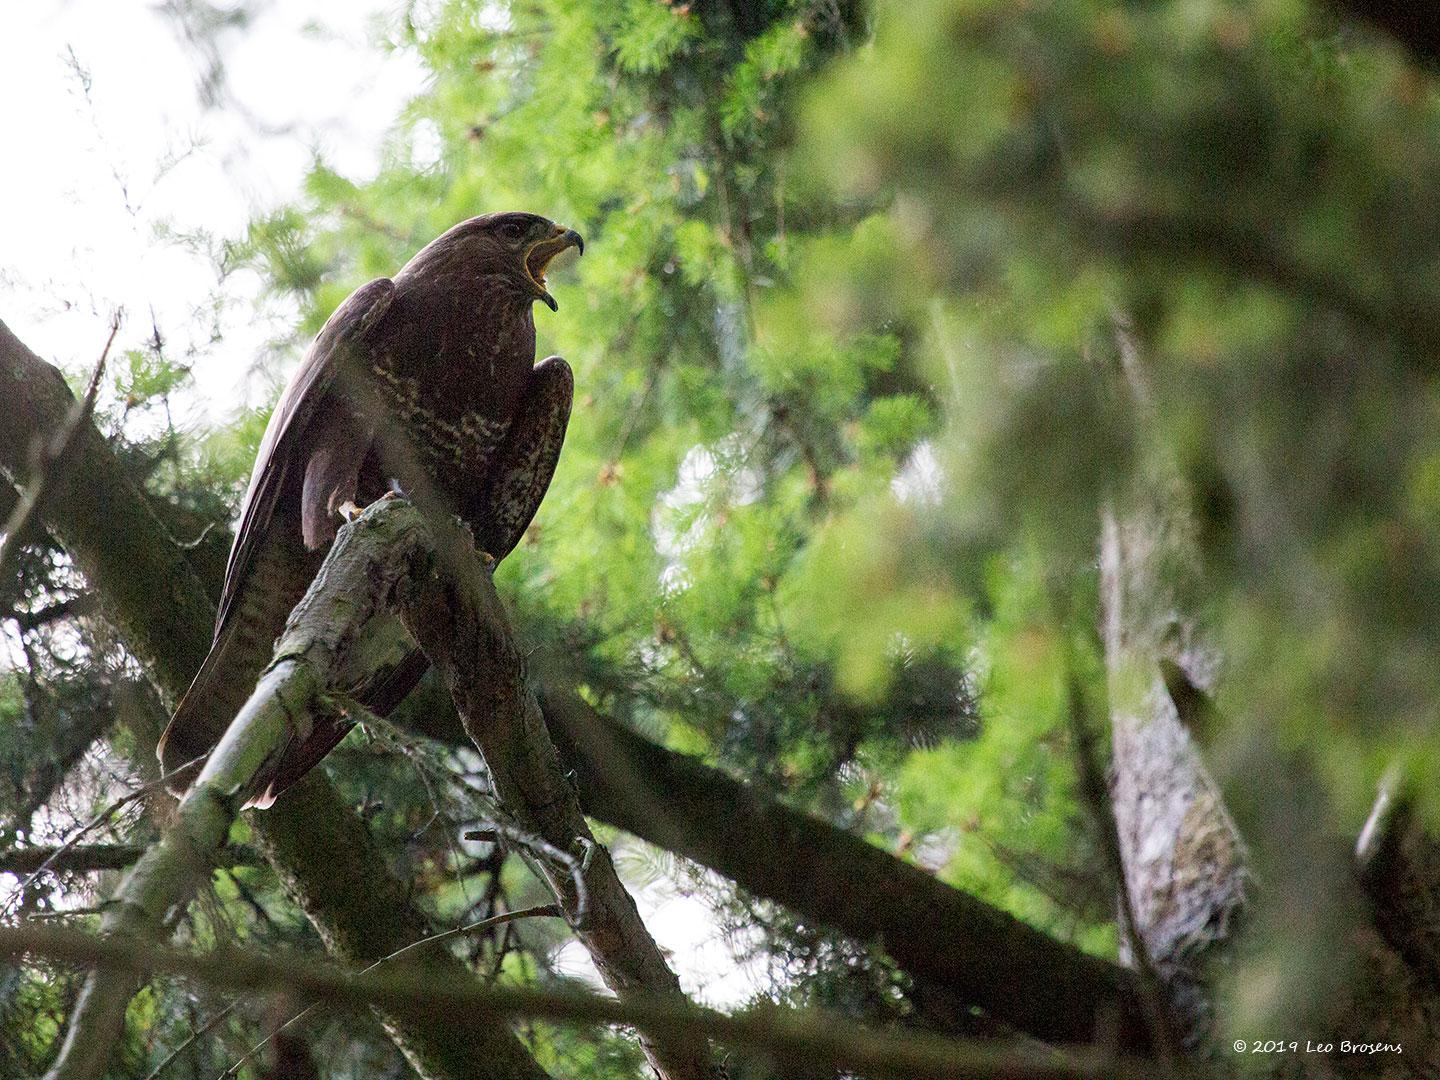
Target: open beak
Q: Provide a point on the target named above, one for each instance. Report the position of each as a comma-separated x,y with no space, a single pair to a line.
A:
538,257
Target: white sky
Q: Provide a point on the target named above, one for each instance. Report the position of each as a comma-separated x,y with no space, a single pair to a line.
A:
84,192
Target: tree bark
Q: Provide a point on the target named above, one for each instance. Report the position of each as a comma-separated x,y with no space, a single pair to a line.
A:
451,607
787,1039
1186,865
149,592
1184,862
951,944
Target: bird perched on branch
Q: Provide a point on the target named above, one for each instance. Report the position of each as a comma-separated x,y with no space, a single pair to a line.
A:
427,383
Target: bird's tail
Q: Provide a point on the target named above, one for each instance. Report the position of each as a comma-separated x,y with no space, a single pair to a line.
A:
220,690
379,696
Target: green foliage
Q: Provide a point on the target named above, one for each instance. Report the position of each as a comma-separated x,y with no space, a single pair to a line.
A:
852,397
1256,192
723,551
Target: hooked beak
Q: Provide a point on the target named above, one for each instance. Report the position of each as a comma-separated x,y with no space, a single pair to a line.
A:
538,257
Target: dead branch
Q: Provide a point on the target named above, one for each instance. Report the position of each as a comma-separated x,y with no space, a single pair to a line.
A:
450,606
539,911
349,598
952,944
1096,794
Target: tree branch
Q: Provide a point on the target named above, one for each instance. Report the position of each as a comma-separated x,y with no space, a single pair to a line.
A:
51,465
785,1037
350,597
92,857
150,593
951,944
388,556
146,587
450,606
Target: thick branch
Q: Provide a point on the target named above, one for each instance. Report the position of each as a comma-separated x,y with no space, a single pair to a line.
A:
150,594
947,940
1185,864
105,523
944,938
457,618
349,598
388,555
787,1038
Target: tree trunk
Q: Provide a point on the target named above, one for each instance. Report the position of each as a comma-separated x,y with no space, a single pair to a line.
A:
1188,872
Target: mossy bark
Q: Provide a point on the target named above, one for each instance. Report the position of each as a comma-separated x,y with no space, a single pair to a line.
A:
151,595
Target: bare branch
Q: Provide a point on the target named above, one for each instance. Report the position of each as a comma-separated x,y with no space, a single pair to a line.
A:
195,1036
105,815
69,608
450,606
29,860
1096,796
51,459
537,912
949,942
784,1037
88,858
349,597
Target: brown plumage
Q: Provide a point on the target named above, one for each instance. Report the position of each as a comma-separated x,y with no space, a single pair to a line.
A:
427,382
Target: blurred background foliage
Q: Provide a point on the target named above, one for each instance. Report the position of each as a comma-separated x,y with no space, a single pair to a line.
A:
849,406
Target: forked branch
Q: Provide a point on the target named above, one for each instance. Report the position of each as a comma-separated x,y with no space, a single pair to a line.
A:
389,560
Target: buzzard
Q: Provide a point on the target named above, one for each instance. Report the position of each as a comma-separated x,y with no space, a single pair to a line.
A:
426,383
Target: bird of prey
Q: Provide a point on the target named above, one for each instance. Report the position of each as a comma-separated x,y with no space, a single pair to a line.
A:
428,383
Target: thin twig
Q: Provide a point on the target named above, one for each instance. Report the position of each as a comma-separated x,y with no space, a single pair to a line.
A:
100,819
71,607
199,1033
499,832
539,911
380,728
92,857
49,456
25,860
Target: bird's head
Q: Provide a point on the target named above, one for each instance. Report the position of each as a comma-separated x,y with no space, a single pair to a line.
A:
515,248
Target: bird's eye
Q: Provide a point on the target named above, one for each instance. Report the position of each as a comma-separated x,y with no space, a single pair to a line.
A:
512,231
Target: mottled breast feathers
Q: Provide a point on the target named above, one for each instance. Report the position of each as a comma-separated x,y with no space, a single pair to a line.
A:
427,382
